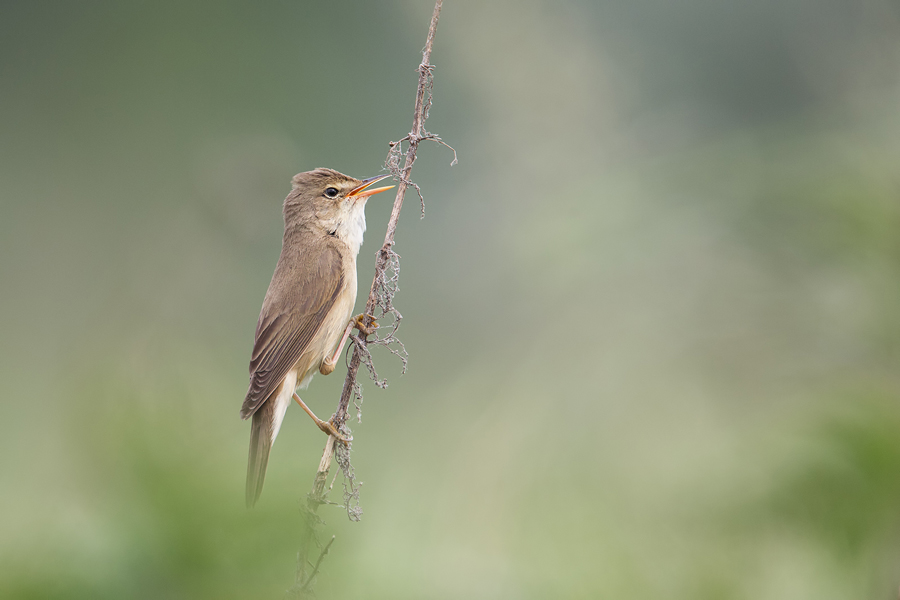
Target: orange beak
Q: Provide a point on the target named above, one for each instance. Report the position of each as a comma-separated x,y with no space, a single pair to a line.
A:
362,191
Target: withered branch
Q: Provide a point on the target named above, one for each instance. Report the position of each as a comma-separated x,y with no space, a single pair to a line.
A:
378,305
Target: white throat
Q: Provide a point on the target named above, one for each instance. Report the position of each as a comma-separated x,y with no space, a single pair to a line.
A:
352,227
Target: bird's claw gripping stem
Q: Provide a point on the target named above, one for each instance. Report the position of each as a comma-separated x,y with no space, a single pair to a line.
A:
359,322
329,428
326,426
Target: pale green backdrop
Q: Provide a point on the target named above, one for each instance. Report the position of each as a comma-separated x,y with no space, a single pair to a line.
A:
652,315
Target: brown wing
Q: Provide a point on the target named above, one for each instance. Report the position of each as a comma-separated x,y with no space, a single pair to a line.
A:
302,292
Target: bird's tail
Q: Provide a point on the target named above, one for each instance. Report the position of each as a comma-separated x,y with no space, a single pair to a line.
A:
266,422
260,445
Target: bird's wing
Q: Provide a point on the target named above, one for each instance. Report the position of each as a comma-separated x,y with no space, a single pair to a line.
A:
299,297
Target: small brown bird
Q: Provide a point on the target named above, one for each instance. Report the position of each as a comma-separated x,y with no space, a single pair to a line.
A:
307,306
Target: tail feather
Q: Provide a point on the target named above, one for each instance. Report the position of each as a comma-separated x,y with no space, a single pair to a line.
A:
266,422
260,445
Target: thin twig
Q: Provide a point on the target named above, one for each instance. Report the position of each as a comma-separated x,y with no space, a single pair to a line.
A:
315,570
384,254
380,296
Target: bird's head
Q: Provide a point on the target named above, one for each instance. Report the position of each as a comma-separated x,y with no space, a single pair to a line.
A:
332,202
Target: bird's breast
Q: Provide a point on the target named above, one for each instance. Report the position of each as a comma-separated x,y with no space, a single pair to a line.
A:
337,318
329,333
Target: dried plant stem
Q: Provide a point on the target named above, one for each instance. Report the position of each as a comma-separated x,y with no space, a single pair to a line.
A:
381,286
381,261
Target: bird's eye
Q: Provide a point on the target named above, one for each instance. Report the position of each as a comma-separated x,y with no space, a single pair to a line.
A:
331,192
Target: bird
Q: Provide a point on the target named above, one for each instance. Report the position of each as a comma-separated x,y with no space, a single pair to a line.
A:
308,304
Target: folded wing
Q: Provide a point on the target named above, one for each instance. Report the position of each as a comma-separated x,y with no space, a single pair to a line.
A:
302,292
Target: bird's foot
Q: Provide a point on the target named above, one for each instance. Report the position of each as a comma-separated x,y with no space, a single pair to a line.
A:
359,322
326,426
329,428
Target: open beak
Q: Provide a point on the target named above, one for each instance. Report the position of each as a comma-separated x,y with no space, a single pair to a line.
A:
362,191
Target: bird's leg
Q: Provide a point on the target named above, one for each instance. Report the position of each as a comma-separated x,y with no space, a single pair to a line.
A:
357,322
326,426
328,364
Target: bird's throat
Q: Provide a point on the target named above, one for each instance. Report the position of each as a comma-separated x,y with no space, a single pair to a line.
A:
350,229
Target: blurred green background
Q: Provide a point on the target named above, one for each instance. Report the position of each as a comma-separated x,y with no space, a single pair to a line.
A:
652,315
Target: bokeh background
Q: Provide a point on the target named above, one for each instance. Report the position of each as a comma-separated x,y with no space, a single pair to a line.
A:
652,314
